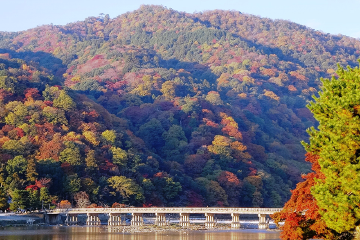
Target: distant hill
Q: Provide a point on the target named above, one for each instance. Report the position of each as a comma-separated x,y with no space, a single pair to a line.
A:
159,107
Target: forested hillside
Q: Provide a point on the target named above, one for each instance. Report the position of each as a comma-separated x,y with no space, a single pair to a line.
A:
160,108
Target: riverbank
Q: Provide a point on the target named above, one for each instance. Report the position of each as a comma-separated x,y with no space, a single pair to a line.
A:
13,219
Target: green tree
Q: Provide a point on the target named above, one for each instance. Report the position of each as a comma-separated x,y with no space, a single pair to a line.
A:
191,104
214,194
72,184
8,83
90,162
71,154
14,147
17,165
3,199
175,143
127,188
90,187
54,115
337,143
151,133
171,188
119,156
19,199
34,199
31,173
64,101
45,197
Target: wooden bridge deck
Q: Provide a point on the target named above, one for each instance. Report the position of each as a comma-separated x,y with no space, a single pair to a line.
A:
211,210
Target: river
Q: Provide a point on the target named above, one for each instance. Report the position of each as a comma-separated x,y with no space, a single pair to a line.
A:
104,233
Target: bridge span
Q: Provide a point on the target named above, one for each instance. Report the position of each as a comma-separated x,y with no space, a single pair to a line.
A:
113,215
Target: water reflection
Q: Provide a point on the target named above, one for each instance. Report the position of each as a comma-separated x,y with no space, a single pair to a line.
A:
235,236
105,233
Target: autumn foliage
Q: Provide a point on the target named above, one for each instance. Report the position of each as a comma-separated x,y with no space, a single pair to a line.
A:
300,215
162,107
64,204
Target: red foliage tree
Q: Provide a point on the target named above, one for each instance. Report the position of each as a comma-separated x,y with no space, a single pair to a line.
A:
118,205
51,149
301,212
20,133
31,93
43,182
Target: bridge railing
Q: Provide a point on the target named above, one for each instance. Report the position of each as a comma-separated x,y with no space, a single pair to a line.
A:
169,210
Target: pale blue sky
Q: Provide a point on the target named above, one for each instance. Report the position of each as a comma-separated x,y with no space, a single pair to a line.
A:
329,16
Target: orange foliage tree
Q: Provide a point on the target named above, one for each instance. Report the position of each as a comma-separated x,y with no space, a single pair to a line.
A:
65,204
301,213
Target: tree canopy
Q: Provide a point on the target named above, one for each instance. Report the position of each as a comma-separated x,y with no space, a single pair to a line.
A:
202,109
325,205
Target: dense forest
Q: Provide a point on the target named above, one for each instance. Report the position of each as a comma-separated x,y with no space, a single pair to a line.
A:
160,108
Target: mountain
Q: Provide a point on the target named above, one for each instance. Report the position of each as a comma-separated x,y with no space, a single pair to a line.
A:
160,107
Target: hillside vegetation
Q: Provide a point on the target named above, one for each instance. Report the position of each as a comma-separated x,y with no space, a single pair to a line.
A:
159,107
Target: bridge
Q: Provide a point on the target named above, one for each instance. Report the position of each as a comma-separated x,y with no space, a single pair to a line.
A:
113,215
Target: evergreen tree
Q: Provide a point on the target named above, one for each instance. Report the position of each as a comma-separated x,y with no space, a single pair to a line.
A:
34,199
90,162
3,199
31,173
19,199
45,197
337,143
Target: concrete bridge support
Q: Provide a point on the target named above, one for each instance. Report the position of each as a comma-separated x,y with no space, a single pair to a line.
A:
210,222
92,219
71,219
262,221
184,219
94,215
137,219
235,220
114,219
160,219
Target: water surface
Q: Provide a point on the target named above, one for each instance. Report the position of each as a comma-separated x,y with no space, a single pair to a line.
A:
104,233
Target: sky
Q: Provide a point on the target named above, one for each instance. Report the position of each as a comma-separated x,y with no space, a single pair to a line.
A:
329,16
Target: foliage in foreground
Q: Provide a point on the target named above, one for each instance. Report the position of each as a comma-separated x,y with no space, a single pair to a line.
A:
326,204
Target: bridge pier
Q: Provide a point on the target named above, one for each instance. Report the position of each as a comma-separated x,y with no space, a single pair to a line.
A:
262,221
235,220
184,219
111,216
160,219
71,219
92,219
114,219
209,223
137,219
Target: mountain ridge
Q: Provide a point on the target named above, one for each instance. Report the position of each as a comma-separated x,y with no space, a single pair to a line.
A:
182,109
